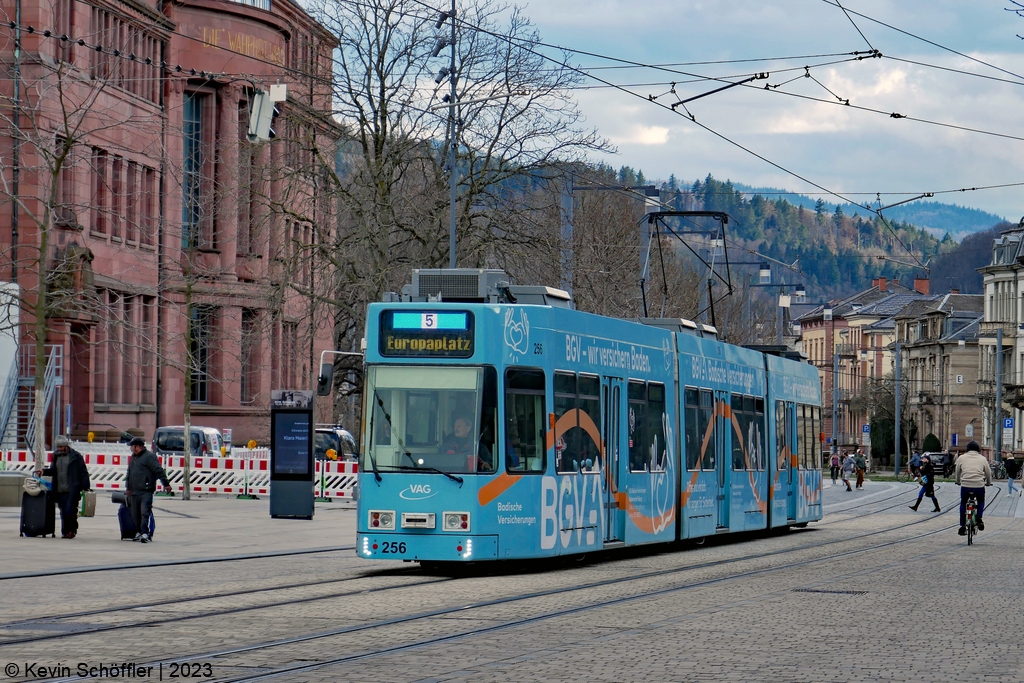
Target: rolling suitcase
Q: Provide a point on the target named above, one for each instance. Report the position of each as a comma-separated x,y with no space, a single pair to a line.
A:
127,524
38,515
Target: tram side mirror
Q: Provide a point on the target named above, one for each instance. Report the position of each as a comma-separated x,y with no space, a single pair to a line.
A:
325,381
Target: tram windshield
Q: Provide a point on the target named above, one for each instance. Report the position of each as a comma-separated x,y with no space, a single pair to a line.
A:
429,419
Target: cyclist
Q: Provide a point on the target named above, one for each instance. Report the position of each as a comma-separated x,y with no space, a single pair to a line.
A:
914,466
973,474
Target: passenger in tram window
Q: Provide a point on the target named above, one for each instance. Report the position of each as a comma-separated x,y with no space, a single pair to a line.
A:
459,442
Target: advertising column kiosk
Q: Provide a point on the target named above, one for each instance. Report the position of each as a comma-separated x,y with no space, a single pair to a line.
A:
291,454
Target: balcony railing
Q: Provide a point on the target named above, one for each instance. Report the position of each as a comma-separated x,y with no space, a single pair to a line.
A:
988,329
848,349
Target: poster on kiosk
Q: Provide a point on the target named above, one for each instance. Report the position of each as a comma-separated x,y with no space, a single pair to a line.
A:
291,454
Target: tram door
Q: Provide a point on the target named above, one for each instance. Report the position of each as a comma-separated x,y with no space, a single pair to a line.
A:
793,474
613,412
723,427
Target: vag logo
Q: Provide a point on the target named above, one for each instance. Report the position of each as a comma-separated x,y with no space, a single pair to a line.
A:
417,492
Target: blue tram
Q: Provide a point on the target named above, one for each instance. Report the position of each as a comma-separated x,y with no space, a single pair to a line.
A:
501,424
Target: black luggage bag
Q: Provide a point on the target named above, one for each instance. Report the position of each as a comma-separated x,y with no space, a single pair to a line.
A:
38,514
127,524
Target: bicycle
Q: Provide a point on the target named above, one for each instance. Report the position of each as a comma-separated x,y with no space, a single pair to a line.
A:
999,471
972,518
905,475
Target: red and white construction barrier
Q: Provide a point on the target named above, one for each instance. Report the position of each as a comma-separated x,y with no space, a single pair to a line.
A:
243,471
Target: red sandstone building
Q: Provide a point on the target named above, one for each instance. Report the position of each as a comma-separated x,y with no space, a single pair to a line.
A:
161,210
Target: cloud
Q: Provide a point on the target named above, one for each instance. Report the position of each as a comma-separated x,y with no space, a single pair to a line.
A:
642,135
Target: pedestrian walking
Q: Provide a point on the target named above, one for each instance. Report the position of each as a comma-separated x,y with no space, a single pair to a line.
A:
848,467
927,478
836,464
1012,466
143,472
862,465
70,479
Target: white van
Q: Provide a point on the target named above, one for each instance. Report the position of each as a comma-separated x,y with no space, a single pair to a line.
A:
206,441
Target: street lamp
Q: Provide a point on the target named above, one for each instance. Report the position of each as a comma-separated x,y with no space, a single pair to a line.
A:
764,274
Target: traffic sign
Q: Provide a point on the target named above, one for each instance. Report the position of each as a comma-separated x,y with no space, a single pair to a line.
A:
1007,423
866,429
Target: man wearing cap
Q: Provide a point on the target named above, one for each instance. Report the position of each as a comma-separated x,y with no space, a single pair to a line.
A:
70,477
973,474
143,472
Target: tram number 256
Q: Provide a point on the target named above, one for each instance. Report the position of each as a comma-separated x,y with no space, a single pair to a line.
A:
392,548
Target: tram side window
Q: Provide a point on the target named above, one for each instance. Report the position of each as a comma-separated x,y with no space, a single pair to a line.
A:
488,455
781,436
381,426
656,453
694,435
589,405
758,433
738,437
637,394
707,418
565,402
524,421
816,435
804,432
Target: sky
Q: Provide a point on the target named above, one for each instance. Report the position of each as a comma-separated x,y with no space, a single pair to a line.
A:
824,142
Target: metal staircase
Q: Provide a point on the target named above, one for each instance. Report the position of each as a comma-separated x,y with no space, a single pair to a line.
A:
8,400
54,377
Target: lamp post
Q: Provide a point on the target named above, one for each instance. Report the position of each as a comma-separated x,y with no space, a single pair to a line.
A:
449,72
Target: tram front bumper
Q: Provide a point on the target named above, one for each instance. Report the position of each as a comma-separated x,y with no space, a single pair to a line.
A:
431,547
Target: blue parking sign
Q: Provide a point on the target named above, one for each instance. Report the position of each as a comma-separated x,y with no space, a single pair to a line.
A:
1007,423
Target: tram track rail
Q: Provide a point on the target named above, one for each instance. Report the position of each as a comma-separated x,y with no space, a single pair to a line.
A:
510,624
191,598
515,623
445,611
173,563
26,623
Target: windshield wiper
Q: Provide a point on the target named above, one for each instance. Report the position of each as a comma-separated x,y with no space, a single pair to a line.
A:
369,450
425,468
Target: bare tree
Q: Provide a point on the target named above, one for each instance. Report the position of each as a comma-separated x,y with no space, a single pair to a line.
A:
386,181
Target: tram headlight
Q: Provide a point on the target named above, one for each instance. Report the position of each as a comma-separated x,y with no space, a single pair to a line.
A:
456,521
382,519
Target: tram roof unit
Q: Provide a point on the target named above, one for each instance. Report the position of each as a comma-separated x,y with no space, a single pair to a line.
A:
475,285
493,286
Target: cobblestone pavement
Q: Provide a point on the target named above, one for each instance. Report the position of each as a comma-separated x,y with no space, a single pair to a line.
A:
874,592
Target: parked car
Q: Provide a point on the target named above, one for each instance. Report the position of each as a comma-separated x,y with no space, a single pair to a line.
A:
942,463
333,437
206,441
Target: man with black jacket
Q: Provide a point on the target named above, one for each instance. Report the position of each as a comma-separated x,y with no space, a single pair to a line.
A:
143,472
70,477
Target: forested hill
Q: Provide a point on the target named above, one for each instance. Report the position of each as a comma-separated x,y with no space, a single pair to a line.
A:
936,217
836,253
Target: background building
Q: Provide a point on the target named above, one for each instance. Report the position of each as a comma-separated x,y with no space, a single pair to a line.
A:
164,241
939,340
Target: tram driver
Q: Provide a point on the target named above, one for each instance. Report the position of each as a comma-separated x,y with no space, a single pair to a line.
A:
460,443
